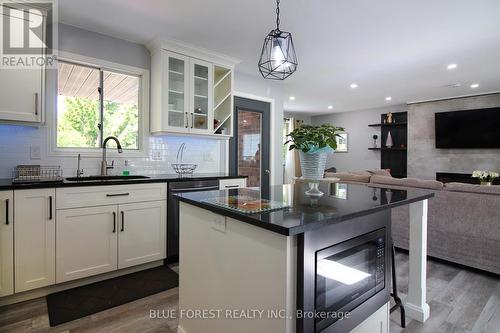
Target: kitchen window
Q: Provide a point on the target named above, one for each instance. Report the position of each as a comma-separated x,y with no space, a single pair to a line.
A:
94,103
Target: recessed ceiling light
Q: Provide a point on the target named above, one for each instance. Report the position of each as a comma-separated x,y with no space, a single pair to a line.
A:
474,85
452,66
388,98
330,107
292,98
354,85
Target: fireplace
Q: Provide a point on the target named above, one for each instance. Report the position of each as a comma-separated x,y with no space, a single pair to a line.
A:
448,177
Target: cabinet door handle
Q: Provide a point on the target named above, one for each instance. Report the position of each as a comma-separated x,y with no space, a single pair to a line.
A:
114,222
36,104
7,212
123,221
186,120
117,194
50,207
192,120
231,186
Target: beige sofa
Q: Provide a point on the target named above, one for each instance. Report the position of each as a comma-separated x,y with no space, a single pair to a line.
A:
463,221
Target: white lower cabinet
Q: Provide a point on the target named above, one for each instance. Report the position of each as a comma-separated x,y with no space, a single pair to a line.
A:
6,243
86,242
34,238
142,236
96,240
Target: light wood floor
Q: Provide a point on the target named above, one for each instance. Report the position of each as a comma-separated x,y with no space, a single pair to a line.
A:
460,300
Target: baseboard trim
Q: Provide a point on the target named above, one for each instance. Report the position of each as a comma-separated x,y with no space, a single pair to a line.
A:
42,292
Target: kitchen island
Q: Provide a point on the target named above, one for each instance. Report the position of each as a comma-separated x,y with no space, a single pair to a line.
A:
283,261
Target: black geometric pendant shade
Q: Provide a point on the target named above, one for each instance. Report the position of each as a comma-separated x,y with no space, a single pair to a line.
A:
278,59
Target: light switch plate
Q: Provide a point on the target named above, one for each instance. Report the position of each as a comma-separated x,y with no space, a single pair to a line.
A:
219,224
35,152
156,155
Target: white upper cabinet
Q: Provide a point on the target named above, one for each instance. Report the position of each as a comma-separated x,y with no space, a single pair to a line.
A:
201,109
21,95
183,90
171,93
21,89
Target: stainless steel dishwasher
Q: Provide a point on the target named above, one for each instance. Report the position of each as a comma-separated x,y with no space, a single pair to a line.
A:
173,210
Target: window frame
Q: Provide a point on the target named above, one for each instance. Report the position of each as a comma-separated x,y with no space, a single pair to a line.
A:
101,65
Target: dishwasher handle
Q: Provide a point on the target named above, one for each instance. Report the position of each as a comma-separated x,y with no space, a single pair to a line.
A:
194,189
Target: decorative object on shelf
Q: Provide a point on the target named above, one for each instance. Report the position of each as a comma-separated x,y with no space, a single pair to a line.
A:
183,168
485,177
278,59
314,144
388,195
389,118
388,142
342,143
375,137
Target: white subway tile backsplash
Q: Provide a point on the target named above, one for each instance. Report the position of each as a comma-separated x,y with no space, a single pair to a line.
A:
15,143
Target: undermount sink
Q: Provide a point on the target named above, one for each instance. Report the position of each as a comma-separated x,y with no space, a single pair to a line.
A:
94,178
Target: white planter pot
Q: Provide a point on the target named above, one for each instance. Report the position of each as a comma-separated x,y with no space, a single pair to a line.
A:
313,164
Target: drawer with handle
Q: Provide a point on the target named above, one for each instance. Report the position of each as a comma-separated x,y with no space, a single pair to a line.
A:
227,184
87,196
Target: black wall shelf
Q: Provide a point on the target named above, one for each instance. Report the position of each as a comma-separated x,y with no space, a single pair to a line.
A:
394,158
388,149
388,125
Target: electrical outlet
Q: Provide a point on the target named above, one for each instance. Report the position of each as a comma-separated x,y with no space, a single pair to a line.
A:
35,152
208,157
156,155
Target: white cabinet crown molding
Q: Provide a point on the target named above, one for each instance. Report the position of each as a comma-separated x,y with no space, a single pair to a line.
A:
193,51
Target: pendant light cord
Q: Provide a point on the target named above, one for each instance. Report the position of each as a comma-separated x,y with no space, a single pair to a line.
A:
278,15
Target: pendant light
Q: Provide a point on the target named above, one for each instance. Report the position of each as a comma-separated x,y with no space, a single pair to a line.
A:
278,59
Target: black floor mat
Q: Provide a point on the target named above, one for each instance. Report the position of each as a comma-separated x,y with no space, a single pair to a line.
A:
79,302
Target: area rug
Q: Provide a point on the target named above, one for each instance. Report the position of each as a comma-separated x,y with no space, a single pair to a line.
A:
82,301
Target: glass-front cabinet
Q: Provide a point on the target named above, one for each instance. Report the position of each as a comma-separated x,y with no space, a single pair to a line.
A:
177,91
187,96
201,117
191,91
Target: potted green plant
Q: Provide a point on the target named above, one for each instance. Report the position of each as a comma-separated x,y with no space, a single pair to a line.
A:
314,144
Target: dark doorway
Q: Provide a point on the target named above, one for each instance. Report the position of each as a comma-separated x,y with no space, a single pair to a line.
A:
249,149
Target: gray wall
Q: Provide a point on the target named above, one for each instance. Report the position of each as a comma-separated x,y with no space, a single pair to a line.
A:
306,118
360,137
95,45
424,160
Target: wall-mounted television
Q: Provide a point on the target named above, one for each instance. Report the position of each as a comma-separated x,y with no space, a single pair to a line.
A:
468,129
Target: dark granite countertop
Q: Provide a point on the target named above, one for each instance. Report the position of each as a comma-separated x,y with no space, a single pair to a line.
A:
6,184
340,202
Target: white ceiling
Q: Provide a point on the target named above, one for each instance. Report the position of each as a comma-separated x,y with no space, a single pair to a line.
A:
388,47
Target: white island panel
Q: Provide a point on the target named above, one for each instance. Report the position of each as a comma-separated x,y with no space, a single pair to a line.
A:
229,265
